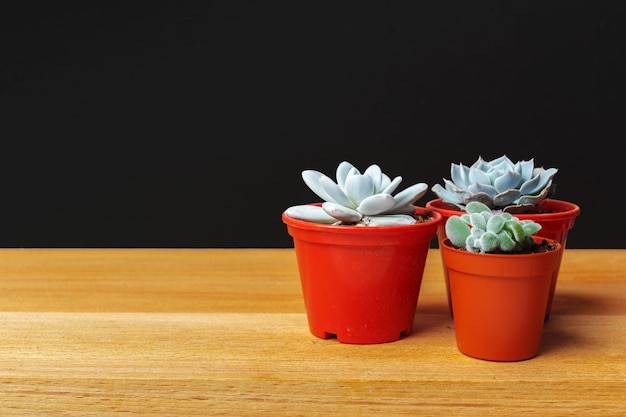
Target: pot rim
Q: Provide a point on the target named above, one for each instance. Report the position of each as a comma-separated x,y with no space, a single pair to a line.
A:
449,246
572,210
349,229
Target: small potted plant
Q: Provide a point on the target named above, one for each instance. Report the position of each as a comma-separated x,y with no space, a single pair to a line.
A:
361,253
519,188
500,274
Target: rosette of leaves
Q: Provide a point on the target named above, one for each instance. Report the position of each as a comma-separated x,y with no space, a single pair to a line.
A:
357,198
482,230
500,184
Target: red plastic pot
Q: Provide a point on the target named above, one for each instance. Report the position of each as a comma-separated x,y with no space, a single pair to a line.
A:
499,300
361,284
556,220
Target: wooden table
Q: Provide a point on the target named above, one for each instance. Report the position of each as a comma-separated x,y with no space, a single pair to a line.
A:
206,332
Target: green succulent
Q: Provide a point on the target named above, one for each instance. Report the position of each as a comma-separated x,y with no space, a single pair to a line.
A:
482,230
500,184
358,198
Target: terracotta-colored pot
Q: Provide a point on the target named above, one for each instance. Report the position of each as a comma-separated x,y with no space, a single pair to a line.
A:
361,284
499,300
556,220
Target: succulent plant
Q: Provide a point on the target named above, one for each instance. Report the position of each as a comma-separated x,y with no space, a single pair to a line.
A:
500,184
482,230
364,199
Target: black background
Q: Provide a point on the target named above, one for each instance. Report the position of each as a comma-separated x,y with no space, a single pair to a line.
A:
187,124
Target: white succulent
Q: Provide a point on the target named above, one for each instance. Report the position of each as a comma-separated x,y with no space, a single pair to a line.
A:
358,198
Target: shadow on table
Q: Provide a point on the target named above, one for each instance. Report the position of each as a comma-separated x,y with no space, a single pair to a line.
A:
595,301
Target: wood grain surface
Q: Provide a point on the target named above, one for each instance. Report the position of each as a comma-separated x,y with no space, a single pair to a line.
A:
210,332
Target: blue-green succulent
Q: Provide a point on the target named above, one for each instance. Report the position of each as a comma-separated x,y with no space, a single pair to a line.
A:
500,184
357,198
482,230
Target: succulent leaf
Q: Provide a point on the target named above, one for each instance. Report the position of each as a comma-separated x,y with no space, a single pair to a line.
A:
375,204
479,198
489,242
533,199
449,196
407,209
507,216
384,183
308,212
526,168
531,185
478,221
374,172
482,188
472,243
312,180
391,186
507,244
460,175
391,220
515,229
543,181
503,162
342,213
476,232
476,207
410,195
506,198
359,187
495,224
343,169
457,231
481,177
507,181
335,194
530,228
